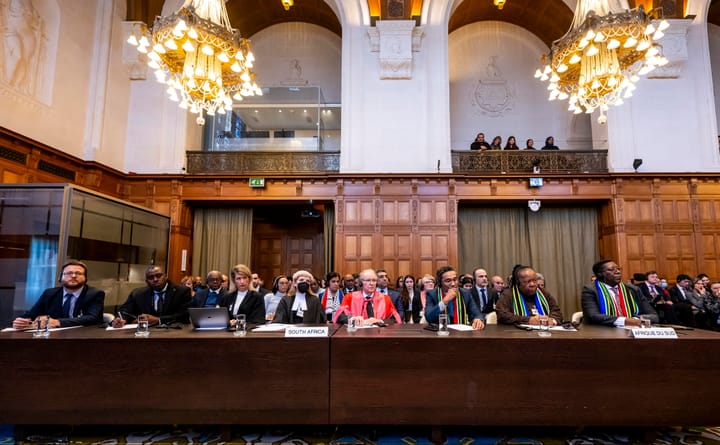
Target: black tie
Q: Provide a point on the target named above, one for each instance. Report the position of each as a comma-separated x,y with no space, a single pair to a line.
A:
484,298
159,303
369,308
66,305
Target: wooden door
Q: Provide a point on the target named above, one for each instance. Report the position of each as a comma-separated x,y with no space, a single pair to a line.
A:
282,248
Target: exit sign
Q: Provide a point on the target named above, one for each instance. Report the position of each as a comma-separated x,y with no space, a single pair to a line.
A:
257,182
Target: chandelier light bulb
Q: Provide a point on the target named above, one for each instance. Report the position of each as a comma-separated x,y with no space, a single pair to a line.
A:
158,48
591,50
613,43
599,37
583,43
188,46
563,95
561,69
590,35
193,34
658,35
207,50
642,46
574,59
223,57
630,42
152,55
132,40
153,64
142,49
649,29
170,44
663,25
143,41
538,73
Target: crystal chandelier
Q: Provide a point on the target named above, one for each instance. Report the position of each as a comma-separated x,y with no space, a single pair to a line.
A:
499,3
601,58
205,63
287,4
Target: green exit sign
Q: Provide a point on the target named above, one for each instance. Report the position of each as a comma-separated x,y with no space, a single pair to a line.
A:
257,182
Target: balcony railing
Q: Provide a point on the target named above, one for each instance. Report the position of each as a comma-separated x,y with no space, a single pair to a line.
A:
265,162
523,161
464,162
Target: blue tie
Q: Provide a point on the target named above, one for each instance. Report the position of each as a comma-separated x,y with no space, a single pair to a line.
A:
211,299
66,305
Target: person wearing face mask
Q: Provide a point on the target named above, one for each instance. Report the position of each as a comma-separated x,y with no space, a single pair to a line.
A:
300,305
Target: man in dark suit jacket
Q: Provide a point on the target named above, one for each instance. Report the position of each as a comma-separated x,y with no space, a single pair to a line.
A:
162,301
658,298
481,289
244,300
684,300
213,294
74,303
382,286
610,302
448,288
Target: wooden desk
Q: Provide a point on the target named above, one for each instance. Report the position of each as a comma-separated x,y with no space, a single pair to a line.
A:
92,376
506,376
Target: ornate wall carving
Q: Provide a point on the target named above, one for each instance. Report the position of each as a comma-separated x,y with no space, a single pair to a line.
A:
521,161
262,162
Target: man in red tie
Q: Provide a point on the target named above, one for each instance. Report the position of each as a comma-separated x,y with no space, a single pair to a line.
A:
610,302
367,303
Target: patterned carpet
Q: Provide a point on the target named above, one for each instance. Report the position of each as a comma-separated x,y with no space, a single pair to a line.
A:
110,435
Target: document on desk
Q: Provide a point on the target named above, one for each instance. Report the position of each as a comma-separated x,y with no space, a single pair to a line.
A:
127,326
272,327
35,330
460,327
535,327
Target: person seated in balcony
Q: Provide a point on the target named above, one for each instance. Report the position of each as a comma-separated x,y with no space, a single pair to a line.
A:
368,306
550,144
496,143
529,145
511,144
480,143
524,302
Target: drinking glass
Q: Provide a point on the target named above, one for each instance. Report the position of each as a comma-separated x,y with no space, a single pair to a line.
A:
240,325
645,322
352,324
443,325
544,322
143,326
43,328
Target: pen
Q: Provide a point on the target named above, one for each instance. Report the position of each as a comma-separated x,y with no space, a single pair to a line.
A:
120,315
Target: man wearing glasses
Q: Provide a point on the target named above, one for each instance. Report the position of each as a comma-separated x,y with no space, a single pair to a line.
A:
367,304
610,302
74,303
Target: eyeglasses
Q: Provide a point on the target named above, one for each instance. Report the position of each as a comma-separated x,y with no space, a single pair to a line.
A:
73,274
370,280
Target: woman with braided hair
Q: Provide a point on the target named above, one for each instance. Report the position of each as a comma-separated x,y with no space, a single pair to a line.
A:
523,302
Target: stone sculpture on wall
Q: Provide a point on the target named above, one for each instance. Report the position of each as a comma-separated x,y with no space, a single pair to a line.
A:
22,45
492,95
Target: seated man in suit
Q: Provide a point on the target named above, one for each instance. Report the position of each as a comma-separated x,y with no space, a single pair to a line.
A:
610,302
524,302
244,300
382,287
212,294
367,304
73,303
457,303
483,296
658,298
161,301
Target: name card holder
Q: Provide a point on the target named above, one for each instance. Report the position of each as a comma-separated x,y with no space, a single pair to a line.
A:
320,331
654,333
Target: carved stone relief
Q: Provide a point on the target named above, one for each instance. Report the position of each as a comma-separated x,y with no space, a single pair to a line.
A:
492,95
395,40
28,39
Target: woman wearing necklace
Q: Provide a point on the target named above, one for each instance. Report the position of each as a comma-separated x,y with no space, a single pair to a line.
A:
524,302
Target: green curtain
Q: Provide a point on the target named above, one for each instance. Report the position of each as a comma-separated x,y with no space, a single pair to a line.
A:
560,243
222,238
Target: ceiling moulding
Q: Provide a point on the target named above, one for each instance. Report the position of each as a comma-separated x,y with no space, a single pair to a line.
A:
674,48
395,41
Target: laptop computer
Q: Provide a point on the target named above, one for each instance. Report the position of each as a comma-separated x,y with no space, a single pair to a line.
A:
209,318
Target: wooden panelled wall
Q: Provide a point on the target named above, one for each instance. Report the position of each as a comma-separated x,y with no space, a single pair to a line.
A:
670,223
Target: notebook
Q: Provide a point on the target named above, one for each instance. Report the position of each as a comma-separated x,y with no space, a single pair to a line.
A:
209,318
